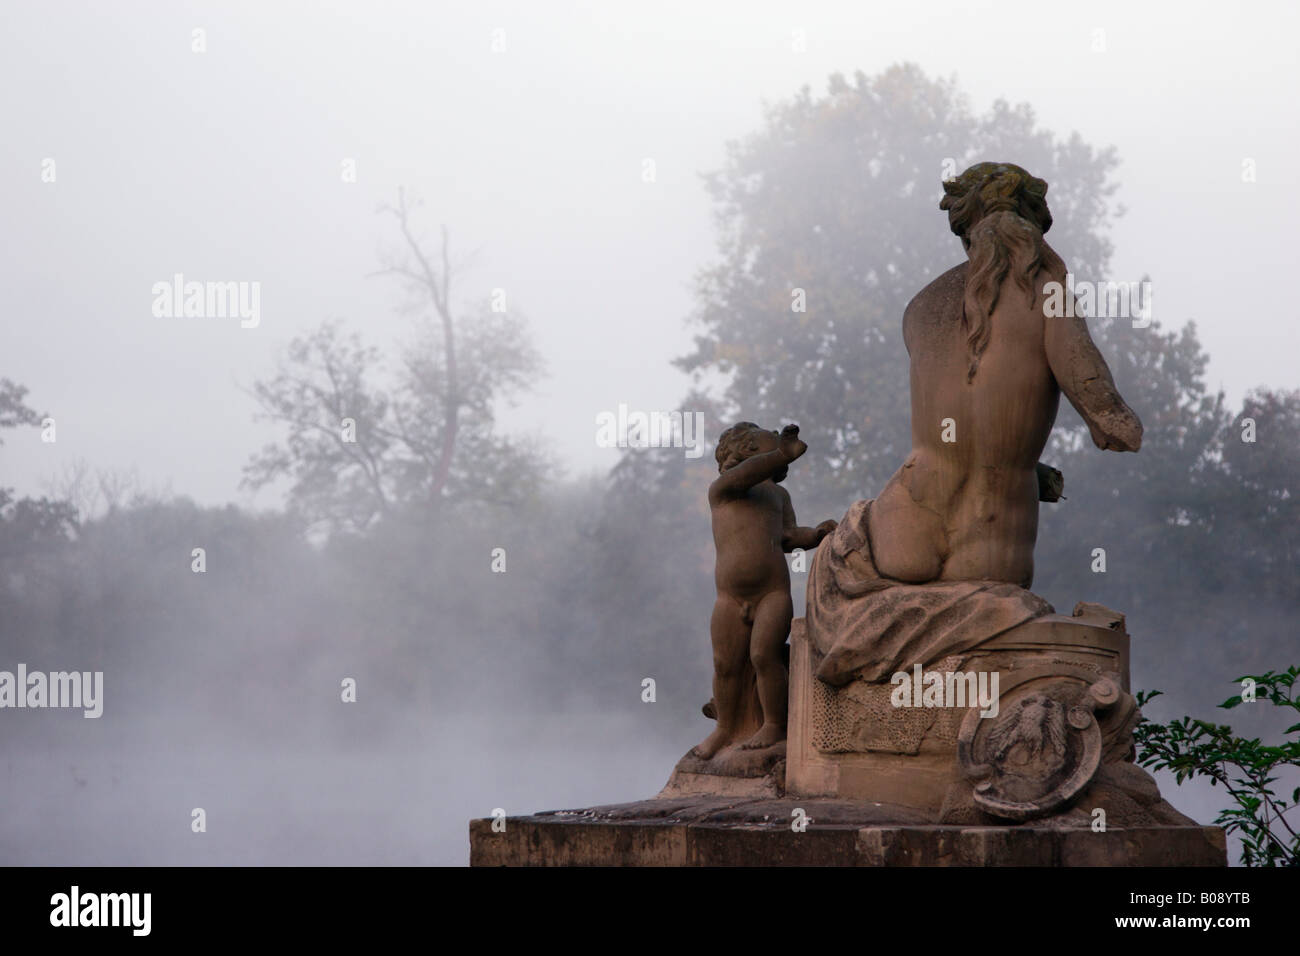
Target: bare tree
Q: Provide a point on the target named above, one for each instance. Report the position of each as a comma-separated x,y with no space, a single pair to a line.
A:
93,492
430,435
415,268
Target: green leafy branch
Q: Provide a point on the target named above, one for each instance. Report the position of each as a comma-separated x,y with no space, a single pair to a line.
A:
1246,768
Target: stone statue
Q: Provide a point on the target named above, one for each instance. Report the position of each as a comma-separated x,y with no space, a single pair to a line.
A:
754,527
987,371
928,584
939,712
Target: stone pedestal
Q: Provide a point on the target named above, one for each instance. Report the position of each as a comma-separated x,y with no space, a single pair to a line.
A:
1046,781
852,742
717,831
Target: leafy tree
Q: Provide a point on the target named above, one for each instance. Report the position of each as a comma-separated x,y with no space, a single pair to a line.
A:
838,196
1245,767
650,537
1261,461
28,525
14,411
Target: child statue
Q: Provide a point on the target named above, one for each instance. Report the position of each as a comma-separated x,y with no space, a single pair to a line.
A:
753,527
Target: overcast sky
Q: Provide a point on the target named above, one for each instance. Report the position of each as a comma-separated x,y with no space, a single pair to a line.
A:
225,165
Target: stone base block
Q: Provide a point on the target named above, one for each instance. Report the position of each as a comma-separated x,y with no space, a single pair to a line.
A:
733,773
714,831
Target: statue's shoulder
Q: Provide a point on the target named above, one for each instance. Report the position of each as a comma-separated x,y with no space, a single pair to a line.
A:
939,300
946,288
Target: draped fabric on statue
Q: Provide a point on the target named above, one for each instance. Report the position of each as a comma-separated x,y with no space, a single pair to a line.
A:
869,627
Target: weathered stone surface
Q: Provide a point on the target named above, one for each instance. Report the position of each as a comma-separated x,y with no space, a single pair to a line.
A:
733,772
716,831
850,743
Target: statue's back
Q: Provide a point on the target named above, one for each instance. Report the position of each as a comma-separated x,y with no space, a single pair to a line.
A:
970,484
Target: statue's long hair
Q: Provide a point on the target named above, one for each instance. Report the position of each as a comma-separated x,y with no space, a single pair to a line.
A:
1000,213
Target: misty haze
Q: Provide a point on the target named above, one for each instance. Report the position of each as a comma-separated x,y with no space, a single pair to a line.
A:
326,327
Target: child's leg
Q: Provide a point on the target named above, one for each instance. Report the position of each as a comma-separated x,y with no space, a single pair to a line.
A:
771,627
730,633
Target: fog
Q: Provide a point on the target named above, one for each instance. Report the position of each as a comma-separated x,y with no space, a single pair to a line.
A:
226,165
263,149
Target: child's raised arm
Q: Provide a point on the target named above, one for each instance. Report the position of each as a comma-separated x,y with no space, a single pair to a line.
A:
757,468
748,473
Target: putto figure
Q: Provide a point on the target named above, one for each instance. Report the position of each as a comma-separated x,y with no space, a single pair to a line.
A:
754,526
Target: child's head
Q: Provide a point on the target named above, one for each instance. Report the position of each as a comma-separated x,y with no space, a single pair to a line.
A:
744,440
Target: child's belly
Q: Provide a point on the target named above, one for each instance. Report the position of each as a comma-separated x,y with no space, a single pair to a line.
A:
753,574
